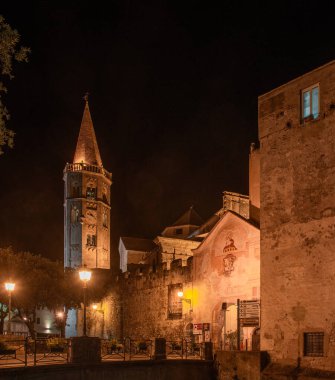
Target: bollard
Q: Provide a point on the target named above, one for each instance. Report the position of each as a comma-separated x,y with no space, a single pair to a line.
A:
160,349
85,349
208,354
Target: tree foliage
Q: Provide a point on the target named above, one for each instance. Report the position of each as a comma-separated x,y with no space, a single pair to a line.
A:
39,283
10,51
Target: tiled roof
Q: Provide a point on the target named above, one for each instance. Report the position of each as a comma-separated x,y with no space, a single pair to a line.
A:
138,244
190,217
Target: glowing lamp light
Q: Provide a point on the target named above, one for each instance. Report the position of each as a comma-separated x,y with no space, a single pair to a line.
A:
85,275
94,306
9,286
180,293
60,314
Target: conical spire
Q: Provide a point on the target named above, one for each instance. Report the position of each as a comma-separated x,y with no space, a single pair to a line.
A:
87,150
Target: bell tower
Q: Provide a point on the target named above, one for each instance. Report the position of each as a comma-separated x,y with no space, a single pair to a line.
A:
87,203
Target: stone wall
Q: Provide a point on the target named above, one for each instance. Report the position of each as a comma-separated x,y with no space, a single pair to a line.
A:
298,220
224,268
144,301
239,365
137,370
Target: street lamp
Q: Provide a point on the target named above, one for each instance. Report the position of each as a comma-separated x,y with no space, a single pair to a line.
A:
9,287
188,300
85,276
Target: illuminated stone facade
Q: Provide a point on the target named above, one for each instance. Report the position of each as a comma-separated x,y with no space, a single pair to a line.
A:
297,137
87,203
225,267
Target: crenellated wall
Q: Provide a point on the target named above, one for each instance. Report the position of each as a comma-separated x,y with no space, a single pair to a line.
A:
144,300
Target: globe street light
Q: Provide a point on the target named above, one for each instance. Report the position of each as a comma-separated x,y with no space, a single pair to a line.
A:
9,287
85,276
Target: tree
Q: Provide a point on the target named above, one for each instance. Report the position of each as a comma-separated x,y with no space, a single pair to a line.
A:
10,51
39,283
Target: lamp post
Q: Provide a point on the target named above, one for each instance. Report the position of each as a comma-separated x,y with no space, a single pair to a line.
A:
9,287
85,276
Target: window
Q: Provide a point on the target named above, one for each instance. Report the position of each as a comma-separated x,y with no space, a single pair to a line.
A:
104,218
313,344
91,192
310,102
178,231
104,194
74,214
175,305
75,190
91,240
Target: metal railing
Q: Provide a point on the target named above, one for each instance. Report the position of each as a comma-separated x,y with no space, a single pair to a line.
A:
184,349
47,351
38,351
139,349
87,167
13,352
113,350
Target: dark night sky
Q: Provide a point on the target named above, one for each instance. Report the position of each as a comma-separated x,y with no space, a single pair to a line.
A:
174,89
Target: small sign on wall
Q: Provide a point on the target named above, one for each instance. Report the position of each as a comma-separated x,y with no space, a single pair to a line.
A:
207,336
197,328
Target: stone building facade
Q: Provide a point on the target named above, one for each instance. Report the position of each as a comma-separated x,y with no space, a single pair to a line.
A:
297,182
86,210
215,265
224,267
87,203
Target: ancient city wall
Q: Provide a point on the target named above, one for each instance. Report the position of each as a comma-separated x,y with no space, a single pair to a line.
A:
144,301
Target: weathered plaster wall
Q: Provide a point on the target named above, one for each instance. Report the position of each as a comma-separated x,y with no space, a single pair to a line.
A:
226,268
211,280
298,220
238,365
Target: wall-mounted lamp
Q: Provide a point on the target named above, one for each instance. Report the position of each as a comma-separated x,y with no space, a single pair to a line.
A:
187,300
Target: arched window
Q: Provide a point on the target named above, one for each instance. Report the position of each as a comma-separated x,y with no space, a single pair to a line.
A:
74,214
105,218
91,192
104,194
75,190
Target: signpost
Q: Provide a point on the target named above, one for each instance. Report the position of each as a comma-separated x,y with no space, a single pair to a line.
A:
248,315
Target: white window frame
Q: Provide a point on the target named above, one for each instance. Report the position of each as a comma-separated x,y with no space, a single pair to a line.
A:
309,89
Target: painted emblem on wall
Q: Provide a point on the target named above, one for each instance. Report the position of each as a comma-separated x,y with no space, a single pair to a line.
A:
230,244
228,264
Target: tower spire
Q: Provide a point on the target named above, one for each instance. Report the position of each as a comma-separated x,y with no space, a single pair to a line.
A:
87,150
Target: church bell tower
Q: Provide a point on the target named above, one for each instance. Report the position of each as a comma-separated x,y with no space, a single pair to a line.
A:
87,203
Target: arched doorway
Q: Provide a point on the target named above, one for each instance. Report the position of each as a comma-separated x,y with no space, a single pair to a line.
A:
229,328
